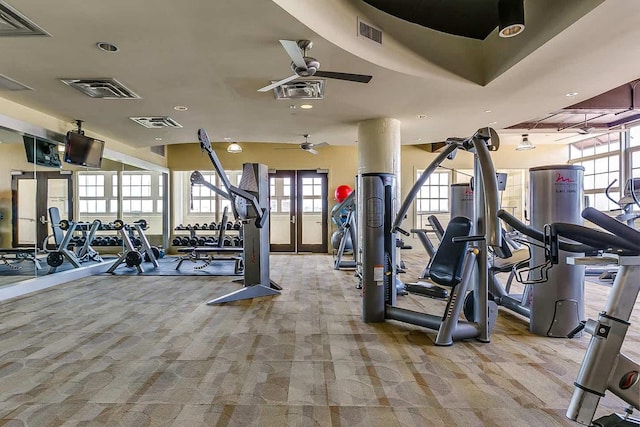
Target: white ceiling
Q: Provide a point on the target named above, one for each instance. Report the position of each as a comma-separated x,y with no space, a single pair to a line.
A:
211,56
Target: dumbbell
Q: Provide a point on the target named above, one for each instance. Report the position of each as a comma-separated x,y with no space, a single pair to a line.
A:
211,240
97,241
119,241
192,241
237,225
142,223
189,227
81,241
136,241
227,241
196,226
236,241
176,241
180,227
229,226
184,241
201,241
133,259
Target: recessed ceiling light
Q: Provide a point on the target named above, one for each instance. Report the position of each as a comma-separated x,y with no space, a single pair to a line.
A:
107,47
292,107
180,108
571,94
306,106
493,123
227,139
158,139
422,116
487,111
419,139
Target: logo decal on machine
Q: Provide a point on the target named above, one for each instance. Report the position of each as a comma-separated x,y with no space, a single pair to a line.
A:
628,380
565,184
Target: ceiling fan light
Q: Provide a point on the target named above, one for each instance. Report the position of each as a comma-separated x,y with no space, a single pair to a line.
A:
510,17
234,148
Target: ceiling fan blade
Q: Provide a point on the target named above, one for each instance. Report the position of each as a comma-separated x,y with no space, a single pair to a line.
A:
278,83
311,150
294,52
319,144
360,78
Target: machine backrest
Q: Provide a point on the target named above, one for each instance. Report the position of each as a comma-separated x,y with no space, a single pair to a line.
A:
54,216
447,263
436,225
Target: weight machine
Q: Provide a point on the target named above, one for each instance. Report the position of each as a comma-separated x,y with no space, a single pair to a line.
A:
65,250
453,263
347,231
604,368
133,256
250,203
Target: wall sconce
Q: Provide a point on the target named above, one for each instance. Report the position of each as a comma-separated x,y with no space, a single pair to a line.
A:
510,17
525,144
234,148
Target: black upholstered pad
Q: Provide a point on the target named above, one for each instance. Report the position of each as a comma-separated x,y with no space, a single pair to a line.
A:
446,267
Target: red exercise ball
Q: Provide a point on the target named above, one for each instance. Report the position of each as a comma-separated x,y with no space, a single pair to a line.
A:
342,192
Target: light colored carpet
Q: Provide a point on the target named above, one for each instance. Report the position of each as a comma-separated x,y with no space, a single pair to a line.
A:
148,351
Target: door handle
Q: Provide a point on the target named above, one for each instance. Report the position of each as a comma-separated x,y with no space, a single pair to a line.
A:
43,219
293,219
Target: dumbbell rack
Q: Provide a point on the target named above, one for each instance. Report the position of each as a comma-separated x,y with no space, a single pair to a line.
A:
130,249
195,239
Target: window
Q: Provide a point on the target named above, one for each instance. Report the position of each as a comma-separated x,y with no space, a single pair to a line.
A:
136,193
600,157
311,195
203,200
433,197
91,192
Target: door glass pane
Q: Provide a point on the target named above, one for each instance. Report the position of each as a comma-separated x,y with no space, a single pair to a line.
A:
280,217
27,212
57,197
311,211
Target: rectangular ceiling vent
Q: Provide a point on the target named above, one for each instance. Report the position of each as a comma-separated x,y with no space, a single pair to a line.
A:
102,88
301,89
13,23
156,122
369,32
9,84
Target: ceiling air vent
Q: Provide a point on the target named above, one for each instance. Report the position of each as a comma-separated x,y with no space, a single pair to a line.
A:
13,23
156,122
367,31
301,89
102,88
9,84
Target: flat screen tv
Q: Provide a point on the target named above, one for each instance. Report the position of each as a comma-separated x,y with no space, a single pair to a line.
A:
41,151
83,151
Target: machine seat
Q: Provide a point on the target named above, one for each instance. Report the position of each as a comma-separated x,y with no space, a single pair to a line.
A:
448,261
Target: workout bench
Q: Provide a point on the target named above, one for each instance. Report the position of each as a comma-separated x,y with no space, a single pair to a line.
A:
12,256
208,254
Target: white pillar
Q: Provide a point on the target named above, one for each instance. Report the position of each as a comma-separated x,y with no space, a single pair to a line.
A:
379,146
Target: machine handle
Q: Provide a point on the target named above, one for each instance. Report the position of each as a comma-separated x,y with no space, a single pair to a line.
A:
463,239
401,231
577,329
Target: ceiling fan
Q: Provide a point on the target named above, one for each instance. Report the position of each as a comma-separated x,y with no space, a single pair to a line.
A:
306,145
306,66
581,128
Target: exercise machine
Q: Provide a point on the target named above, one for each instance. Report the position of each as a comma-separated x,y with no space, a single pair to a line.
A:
455,269
604,368
249,203
343,214
63,234
133,255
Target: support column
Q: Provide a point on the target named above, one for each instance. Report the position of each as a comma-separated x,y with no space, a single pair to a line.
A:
378,196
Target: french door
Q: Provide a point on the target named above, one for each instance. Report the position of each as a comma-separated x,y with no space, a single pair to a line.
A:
298,220
32,195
